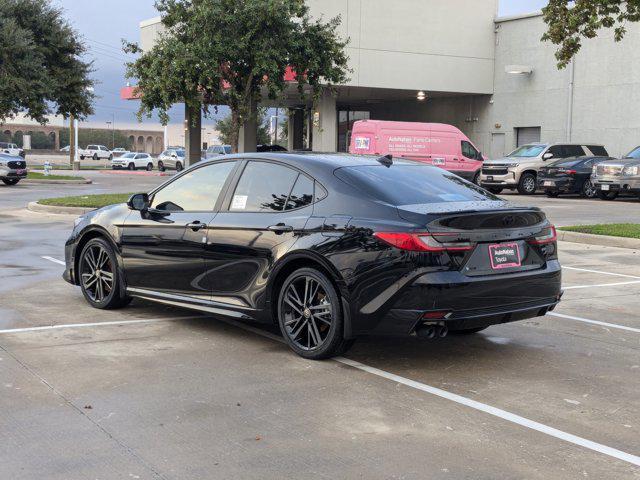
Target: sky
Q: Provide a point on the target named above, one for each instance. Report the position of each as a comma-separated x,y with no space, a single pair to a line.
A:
104,23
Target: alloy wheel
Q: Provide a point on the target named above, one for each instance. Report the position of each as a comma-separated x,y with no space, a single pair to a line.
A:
97,273
308,313
589,189
529,184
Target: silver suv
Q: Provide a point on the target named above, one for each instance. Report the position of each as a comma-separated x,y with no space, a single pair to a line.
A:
171,158
519,169
618,176
12,168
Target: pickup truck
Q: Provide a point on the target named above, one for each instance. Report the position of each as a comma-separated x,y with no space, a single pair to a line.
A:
11,149
96,152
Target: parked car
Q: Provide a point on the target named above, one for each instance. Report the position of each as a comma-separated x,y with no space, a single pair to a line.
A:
519,169
133,161
172,158
11,149
570,175
215,150
12,169
614,177
66,149
270,148
96,152
119,151
437,144
329,247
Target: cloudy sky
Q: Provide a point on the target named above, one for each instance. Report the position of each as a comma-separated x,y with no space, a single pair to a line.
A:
103,23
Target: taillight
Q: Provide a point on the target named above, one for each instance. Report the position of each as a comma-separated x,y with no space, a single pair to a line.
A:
548,235
421,242
570,172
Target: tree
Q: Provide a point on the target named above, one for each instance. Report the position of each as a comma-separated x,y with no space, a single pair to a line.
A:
225,127
232,52
570,21
41,71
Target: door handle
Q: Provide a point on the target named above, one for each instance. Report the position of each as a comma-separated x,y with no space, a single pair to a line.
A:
196,225
280,228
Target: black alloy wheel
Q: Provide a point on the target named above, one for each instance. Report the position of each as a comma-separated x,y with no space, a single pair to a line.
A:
178,167
98,275
310,316
527,184
132,166
10,181
588,189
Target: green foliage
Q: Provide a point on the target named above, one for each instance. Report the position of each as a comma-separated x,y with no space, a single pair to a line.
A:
87,201
629,230
225,127
232,52
97,136
40,67
569,22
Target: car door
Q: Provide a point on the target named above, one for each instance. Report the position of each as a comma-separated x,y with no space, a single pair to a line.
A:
262,217
163,247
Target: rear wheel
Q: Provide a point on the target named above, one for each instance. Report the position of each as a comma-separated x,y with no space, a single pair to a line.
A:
495,190
131,166
149,167
588,190
467,331
527,184
10,181
178,167
310,316
607,195
99,276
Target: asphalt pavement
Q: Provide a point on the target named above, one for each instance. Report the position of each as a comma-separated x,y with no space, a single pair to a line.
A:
156,392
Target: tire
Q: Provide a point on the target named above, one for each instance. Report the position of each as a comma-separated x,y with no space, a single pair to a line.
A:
476,178
161,166
131,166
551,194
178,167
95,156
607,195
149,167
10,181
110,157
527,184
99,276
588,190
495,190
81,157
467,331
310,315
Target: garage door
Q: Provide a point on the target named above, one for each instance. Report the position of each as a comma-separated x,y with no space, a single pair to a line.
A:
526,135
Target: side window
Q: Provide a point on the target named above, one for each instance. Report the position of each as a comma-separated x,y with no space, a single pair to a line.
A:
557,151
469,150
263,187
302,193
573,151
196,191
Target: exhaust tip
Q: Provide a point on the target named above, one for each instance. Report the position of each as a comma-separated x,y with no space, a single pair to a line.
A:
426,331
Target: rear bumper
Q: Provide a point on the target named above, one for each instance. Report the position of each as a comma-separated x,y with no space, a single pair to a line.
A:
471,301
563,185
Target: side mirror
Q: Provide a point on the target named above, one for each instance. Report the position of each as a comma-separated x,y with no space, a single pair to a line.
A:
139,202
547,156
173,155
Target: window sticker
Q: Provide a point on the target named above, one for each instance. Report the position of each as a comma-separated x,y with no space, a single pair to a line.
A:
239,202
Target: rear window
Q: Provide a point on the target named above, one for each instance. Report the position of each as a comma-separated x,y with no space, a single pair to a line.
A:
635,153
598,150
406,184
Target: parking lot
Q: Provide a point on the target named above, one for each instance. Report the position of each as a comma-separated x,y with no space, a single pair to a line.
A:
156,392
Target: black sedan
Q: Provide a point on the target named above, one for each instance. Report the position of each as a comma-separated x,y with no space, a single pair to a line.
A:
329,247
569,175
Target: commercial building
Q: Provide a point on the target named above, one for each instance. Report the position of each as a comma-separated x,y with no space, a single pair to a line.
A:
491,77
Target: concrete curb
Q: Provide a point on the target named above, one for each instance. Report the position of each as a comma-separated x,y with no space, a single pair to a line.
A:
51,209
84,181
604,240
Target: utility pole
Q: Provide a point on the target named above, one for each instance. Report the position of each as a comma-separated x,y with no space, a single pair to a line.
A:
72,141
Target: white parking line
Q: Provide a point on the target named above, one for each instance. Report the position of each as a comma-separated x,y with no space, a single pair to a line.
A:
600,272
573,287
54,260
96,324
595,322
496,412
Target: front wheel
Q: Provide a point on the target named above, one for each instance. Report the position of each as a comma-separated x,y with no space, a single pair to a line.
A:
161,167
602,195
110,157
132,166
178,167
99,276
10,181
310,315
95,156
588,189
527,184
476,178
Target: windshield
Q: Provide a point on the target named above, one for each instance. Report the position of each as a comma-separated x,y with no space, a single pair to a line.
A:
406,184
128,155
180,153
635,153
527,151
